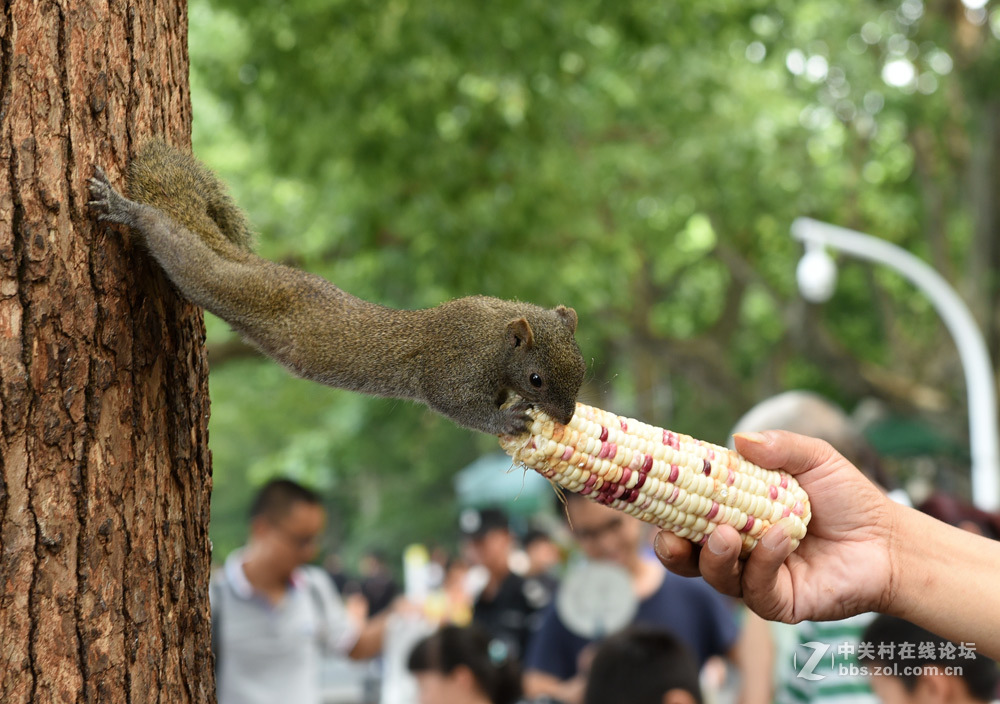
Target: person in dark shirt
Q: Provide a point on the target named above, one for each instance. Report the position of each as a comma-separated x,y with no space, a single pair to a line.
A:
544,557
702,619
377,584
508,605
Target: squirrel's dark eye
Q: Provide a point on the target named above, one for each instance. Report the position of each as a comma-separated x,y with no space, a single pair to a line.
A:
536,381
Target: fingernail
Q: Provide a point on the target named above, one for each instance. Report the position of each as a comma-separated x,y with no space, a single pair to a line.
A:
774,538
716,544
756,438
660,549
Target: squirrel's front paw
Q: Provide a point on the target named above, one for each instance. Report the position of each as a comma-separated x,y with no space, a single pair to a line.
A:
108,203
514,420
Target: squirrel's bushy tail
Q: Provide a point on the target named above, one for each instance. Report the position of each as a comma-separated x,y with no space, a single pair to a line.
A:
183,188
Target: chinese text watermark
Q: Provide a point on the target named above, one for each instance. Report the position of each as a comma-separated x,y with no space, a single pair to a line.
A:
816,661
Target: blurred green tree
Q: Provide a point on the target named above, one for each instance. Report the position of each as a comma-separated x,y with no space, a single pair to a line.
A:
639,161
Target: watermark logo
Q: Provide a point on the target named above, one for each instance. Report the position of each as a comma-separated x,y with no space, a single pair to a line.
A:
808,669
815,661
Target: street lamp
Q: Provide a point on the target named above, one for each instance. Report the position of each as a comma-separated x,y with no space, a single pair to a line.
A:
817,274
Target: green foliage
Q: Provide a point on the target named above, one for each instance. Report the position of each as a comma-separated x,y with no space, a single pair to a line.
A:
639,161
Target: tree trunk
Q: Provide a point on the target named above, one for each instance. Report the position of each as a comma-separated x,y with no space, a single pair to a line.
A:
105,472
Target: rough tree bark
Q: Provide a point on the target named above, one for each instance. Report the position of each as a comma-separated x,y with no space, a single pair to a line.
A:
104,467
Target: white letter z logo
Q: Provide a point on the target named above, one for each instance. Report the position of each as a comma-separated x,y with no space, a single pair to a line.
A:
807,670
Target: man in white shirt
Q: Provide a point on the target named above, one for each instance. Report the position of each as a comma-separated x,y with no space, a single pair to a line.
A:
273,615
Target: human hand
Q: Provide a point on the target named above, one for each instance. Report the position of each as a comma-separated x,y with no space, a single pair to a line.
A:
842,567
357,608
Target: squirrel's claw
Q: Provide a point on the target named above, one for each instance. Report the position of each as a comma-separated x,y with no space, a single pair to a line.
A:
99,197
516,419
99,181
108,205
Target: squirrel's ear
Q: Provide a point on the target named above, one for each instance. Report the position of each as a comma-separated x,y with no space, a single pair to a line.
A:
519,333
567,316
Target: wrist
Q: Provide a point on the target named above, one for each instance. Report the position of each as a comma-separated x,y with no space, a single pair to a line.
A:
943,579
923,555
896,592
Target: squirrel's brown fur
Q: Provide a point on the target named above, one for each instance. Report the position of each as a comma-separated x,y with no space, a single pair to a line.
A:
463,358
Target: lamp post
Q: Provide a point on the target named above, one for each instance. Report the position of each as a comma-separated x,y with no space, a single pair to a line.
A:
817,275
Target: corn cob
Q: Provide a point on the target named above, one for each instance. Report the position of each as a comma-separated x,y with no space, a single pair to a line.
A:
670,480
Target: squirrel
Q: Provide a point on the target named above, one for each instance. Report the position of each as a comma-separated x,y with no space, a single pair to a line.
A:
466,358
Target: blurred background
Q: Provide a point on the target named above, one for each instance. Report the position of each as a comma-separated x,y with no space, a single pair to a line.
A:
639,161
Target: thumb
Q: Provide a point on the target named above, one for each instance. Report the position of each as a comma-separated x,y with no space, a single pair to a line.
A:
766,581
780,449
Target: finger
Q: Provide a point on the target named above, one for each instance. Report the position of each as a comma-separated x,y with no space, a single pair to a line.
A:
766,586
780,449
719,561
676,554
100,173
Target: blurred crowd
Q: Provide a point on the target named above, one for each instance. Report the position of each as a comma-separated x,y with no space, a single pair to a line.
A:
574,612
